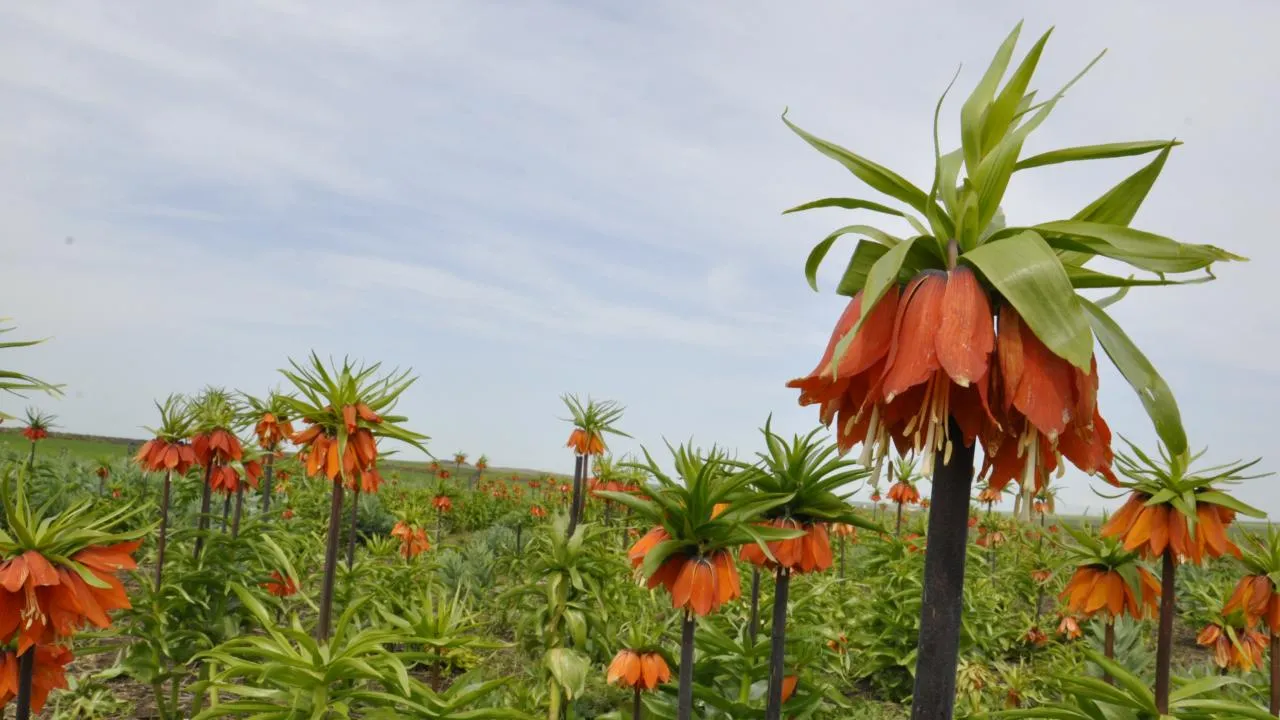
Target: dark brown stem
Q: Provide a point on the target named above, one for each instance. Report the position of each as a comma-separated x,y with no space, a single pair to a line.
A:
226,510
1275,672
205,500
577,490
755,605
1164,646
330,561
355,521
31,458
26,671
777,644
636,707
519,527
268,472
684,702
942,602
898,529
163,536
1109,646
235,518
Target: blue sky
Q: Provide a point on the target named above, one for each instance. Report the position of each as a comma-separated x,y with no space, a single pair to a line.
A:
525,199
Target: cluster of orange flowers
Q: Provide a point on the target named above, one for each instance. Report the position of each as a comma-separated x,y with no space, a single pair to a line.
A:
34,433
904,493
585,443
1093,589
1069,627
934,350
271,431
698,583
1256,597
358,458
50,673
1151,529
442,503
43,603
537,511
280,585
810,552
413,540
158,455
1245,654
640,670
225,478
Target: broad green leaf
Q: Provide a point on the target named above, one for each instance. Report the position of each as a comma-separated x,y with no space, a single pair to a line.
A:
1217,497
1119,204
1141,249
1084,278
877,176
819,252
864,256
1099,152
1027,273
569,668
847,204
975,107
1152,390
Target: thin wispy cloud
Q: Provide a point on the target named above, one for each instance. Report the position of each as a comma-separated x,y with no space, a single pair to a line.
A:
525,199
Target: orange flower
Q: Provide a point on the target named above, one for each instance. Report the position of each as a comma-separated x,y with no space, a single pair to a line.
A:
1151,529
34,433
990,538
904,493
698,583
584,443
989,495
1036,636
413,540
41,602
537,511
49,673
789,683
1095,588
280,585
875,497
1069,628
810,552
838,645
640,670
271,431
1257,598
217,446
322,453
1041,575
158,455
287,514
442,503
370,480
846,531
1245,654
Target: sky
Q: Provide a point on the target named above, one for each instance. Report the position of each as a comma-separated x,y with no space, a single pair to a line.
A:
520,200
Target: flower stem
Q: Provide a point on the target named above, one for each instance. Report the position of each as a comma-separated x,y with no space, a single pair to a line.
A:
330,561
1109,646
755,604
235,518
204,509
777,644
574,507
1275,673
267,475
26,671
355,521
898,530
163,536
685,700
1164,647
940,611
635,706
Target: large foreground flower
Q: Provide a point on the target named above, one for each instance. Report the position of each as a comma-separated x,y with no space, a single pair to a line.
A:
1150,529
50,673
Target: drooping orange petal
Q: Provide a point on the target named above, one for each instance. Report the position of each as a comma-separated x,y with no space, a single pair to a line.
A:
913,355
1044,392
965,335
632,668
649,666
703,594
683,587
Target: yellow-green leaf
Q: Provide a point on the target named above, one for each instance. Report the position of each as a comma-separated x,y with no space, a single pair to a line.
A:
1097,152
1027,273
1153,391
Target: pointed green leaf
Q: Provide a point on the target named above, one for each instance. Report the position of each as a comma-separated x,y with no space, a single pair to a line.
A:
1152,390
1029,275
975,107
1143,250
847,204
1101,152
882,274
1000,116
865,255
819,252
877,176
